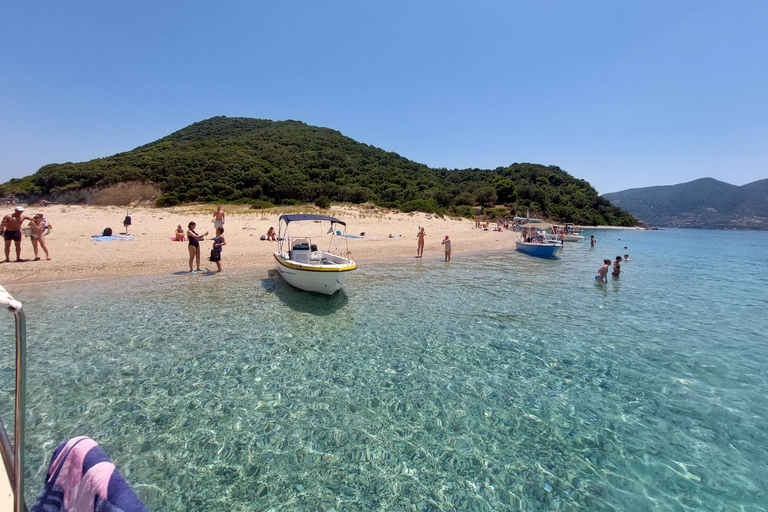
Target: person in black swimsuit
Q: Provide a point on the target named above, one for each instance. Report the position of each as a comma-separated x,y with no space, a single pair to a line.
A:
194,247
218,242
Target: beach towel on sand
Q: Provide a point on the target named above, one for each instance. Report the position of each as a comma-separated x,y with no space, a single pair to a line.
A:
81,478
124,238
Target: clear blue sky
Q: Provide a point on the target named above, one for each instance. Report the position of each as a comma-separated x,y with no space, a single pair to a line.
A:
622,94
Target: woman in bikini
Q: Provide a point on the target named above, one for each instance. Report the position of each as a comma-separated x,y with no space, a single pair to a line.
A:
179,235
420,248
194,247
39,229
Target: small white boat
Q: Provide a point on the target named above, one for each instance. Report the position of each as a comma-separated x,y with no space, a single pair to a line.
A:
566,235
302,266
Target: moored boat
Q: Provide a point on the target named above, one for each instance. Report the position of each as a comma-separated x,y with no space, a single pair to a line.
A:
302,266
540,249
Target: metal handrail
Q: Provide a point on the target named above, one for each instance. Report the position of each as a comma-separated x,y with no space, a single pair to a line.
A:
14,461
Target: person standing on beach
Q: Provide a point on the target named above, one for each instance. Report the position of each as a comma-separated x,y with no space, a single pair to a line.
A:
420,248
592,240
40,228
11,231
218,243
447,244
126,223
602,273
194,247
218,217
617,267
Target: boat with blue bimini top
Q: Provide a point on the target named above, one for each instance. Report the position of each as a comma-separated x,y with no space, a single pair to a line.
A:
302,266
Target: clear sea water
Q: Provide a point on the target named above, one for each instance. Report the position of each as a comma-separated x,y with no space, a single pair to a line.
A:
495,382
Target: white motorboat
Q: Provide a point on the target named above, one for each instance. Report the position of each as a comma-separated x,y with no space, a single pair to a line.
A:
302,266
565,234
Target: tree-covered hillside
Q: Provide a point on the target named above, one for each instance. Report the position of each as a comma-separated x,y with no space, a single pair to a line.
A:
702,203
243,159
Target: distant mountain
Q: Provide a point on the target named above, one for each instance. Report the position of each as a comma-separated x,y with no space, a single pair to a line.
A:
703,203
258,161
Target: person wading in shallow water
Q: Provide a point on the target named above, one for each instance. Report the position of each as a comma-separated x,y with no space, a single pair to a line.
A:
218,243
420,248
447,244
602,273
11,231
617,267
194,247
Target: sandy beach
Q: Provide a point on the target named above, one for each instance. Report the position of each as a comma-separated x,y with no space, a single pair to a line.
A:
75,256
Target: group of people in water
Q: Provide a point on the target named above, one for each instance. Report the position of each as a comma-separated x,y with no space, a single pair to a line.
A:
602,272
37,229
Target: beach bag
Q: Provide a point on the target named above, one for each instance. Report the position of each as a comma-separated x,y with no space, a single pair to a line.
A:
263,237
127,221
107,232
215,254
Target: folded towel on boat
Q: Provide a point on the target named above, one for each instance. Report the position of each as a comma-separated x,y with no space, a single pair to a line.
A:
99,238
81,478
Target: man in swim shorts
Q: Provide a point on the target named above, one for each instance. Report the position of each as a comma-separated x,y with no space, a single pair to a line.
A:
11,230
218,218
602,273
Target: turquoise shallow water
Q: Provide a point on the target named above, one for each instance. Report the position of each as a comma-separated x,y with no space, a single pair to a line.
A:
495,382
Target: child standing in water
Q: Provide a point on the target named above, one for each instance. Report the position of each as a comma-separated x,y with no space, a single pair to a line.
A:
617,267
447,244
420,248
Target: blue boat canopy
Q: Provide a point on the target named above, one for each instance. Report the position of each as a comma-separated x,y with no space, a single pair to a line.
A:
309,216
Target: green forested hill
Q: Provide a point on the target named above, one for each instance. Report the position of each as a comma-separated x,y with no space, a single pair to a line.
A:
702,203
243,159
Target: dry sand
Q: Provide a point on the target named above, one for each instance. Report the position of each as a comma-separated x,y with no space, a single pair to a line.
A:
75,256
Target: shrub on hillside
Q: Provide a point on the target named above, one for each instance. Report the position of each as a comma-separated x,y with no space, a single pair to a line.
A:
260,203
167,200
463,211
422,205
323,202
464,199
486,196
494,213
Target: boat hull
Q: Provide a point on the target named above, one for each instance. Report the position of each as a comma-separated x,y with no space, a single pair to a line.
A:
325,279
538,250
573,238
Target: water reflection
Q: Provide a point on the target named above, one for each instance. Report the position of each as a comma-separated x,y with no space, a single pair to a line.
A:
303,301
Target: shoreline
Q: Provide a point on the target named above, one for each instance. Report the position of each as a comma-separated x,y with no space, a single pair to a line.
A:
75,257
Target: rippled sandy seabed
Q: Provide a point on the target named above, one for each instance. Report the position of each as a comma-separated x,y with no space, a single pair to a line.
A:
495,382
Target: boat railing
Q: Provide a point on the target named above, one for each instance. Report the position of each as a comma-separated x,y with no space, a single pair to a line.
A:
13,454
